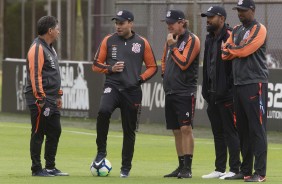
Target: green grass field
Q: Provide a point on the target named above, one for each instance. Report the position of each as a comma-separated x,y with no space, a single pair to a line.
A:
154,157
0,90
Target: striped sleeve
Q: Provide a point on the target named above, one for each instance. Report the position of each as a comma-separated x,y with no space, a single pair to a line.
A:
224,51
190,52
163,59
36,62
250,45
150,62
100,58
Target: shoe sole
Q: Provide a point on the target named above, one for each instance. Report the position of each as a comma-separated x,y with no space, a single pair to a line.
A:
170,176
62,174
223,178
43,176
123,176
184,177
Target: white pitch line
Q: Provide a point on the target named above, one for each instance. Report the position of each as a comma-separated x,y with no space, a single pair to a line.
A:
118,136
87,133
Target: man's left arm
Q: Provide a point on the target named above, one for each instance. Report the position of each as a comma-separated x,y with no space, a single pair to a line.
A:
150,62
251,44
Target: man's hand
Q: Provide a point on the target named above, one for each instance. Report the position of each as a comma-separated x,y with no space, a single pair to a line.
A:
118,66
170,40
59,103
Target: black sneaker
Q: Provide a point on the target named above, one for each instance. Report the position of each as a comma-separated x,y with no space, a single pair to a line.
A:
99,159
255,178
238,176
124,173
42,173
185,173
56,172
173,173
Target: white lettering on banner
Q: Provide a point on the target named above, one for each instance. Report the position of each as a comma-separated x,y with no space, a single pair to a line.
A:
146,91
75,99
274,100
76,94
155,96
20,85
160,96
24,75
274,114
67,75
274,95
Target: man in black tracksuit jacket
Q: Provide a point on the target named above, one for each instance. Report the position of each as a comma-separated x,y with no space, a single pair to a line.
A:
43,97
217,91
120,57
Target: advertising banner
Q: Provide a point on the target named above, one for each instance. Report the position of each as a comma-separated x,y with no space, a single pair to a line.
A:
83,88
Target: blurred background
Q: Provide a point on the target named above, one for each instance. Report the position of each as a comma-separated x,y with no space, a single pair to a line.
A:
85,22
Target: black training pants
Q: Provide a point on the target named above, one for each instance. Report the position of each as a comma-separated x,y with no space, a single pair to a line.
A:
129,102
49,126
225,135
251,116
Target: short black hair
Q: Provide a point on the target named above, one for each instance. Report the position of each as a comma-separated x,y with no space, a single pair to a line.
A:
45,23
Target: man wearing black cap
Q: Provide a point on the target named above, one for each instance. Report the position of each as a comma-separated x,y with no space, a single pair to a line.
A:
247,48
120,56
180,64
218,92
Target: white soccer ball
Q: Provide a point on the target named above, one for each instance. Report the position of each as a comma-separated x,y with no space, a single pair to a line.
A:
104,169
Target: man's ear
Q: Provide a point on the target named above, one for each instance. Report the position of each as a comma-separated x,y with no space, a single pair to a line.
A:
50,30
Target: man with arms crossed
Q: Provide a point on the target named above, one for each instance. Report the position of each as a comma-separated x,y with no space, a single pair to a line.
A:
247,48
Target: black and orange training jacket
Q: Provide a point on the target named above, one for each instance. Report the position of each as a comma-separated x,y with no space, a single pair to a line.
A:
43,74
247,48
180,64
133,51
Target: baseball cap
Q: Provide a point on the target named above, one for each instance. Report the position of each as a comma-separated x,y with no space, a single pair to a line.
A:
124,15
245,5
173,16
214,10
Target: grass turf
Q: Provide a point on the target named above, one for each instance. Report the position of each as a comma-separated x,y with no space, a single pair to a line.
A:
154,156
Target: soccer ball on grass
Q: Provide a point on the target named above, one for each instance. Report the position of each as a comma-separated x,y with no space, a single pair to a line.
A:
103,170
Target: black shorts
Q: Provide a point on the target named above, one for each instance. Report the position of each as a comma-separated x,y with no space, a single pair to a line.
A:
179,111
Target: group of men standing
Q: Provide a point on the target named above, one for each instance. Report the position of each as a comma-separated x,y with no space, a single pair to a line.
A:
235,80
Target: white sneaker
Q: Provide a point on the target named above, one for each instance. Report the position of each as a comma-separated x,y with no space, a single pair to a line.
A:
229,174
214,174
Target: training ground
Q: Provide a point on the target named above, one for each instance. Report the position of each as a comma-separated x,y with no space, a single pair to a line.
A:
154,154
